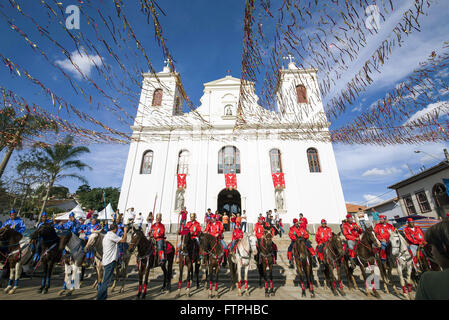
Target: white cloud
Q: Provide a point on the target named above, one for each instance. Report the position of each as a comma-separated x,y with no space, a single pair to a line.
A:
371,199
441,106
381,172
84,62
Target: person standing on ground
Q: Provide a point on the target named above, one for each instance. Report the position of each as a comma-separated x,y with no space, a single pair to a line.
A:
139,220
150,219
109,260
225,222
434,285
232,222
244,221
183,218
375,216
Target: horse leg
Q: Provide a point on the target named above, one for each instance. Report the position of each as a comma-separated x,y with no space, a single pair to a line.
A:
301,280
50,269
44,278
17,273
139,290
239,278
383,275
401,280
332,279
246,280
210,279
340,284
189,276
362,268
181,268
271,278
197,274
145,284
217,270
10,279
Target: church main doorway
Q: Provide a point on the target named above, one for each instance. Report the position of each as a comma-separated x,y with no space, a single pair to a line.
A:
229,201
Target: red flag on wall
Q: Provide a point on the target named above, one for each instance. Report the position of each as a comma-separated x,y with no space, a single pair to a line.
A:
231,181
182,181
278,180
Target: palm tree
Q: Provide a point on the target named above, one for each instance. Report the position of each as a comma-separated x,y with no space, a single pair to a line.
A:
15,128
56,160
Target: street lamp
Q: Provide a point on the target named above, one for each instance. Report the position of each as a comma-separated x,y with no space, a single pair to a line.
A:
419,151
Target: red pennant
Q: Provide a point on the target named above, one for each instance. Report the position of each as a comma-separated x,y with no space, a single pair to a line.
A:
181,181
231,181
278,180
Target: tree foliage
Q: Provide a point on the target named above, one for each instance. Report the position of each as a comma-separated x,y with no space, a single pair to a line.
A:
93,198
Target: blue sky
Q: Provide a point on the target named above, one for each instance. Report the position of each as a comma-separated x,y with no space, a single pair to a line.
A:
205,38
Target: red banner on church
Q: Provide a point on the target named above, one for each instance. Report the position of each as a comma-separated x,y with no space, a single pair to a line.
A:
278,180
231,181
182,181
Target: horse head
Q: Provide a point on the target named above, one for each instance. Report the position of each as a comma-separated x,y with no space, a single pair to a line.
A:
371,237
252,243
65,238
337,244
136,236
91,240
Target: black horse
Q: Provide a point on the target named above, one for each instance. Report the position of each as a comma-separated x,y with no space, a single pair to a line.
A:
147,258
50,254
213,254
189,257
265,259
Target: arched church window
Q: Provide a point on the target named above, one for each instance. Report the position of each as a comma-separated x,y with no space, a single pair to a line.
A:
177,109
229,160
147,162
183,162
301,93
314,161
157,98
275,160
228,110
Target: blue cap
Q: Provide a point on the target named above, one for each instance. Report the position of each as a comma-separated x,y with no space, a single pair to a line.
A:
12,211
71,214
44,214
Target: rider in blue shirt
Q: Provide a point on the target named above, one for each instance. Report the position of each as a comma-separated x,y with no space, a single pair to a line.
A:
73,225
120,230
15,222
44,220
93,225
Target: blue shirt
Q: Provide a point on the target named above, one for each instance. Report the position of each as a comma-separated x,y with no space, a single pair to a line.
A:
91,227
73,226
45,222
16,224
120,229
375,215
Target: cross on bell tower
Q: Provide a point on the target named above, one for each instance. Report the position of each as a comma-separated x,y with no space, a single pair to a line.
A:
289,57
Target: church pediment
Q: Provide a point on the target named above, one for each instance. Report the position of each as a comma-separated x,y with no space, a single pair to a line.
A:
226,81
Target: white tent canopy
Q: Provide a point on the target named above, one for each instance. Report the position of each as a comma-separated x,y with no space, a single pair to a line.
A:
108,213
78,211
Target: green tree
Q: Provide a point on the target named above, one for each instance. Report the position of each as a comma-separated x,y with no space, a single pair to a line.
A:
94,198
14,128
59,192
83,189
55,161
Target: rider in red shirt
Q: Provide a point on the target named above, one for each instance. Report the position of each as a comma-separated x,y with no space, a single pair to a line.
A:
296,231
158,233
323,234
351,232
216,229
237,235
415,237
383,235
259,231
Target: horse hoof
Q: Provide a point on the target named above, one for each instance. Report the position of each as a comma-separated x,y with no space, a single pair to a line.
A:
267,294
121,290
40,290
13,290
60,293
303,294
143,297
45,291
69,293
247,293
312,295
7,289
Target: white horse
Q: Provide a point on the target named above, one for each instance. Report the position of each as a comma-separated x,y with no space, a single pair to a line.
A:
23,261
73,264
95,241
243,258
403,258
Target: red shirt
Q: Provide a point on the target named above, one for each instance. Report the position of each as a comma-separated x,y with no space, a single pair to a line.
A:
381,231
232,219
237,234
158,231
351,231
194,228
259,230
415,236
303,222
323,234
184,215
215,229
297,232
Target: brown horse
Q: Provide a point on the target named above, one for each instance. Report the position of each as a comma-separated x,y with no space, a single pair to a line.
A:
333,259
11,252
366,257
213,254
303,259
265,259
147,258
50,254
188,256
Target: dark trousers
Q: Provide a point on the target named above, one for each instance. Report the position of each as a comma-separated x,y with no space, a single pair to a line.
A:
102,293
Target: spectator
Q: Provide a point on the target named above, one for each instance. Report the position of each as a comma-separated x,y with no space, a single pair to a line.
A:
375,216
434,285
207,216
363,217
238,219
232,222
89,214
281,228
150,219
341,225
244,221
139,220
226,222
183,222
109,260
276,215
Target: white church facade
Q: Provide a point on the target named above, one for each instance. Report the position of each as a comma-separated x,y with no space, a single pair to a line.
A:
204,146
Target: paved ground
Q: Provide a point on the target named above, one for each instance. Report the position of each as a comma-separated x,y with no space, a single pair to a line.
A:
285,284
